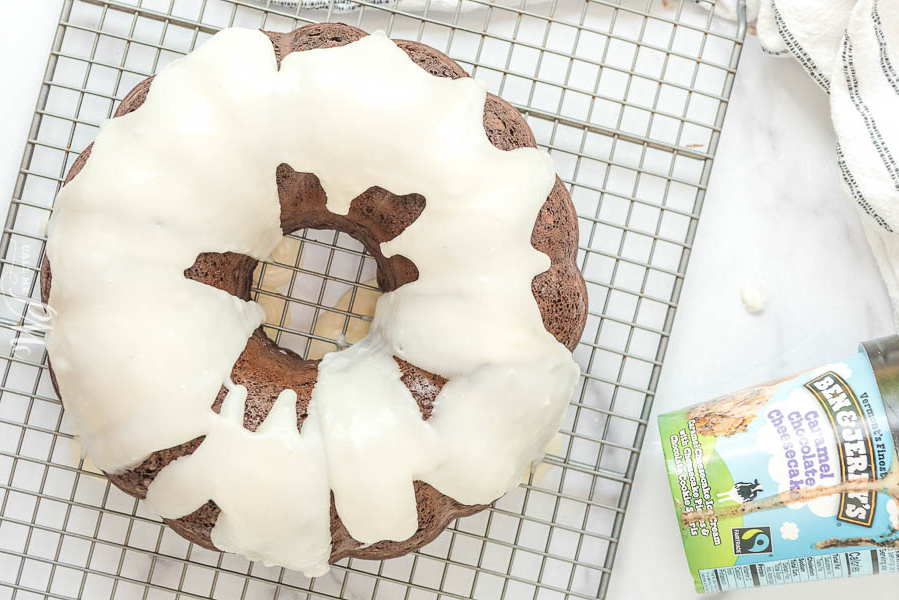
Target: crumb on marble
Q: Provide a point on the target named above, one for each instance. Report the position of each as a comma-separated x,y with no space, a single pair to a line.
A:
753,299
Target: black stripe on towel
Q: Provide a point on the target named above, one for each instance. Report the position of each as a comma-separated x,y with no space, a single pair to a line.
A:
798,51
775,52
885,62
852,184
851,76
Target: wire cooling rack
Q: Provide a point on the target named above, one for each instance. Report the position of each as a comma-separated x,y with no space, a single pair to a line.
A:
629,98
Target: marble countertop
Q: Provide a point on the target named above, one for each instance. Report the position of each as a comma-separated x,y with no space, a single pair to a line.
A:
775,217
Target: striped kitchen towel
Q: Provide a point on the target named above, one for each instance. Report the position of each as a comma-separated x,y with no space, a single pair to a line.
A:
851,49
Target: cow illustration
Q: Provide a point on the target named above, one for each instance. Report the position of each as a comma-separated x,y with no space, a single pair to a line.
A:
742,492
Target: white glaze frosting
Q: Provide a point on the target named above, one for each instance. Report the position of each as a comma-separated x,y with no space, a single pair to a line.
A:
140,352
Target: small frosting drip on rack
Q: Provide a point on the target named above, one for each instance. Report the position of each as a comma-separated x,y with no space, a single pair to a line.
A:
140,352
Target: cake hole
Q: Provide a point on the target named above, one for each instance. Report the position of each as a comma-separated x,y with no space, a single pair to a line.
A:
318,290
319,286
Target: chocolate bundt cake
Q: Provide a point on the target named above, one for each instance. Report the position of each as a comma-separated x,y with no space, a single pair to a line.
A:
267,374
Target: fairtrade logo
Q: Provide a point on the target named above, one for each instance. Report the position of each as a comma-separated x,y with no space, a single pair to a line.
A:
752,540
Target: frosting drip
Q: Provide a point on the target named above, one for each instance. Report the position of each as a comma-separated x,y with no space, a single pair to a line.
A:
140,352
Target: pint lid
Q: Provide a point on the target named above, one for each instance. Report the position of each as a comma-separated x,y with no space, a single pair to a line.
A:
883,353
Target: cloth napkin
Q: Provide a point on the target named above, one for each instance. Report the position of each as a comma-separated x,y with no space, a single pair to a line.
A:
850,48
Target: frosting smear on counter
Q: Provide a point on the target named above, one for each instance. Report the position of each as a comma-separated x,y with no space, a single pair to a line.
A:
140,352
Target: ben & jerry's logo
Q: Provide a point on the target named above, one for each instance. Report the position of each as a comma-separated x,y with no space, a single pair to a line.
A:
853,436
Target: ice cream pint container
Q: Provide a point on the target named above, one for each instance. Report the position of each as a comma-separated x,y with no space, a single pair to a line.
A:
794,480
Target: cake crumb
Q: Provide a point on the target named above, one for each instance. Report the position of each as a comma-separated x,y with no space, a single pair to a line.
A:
753,299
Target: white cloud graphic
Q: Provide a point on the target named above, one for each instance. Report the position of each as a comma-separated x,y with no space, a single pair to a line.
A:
789,531
893,510
802,400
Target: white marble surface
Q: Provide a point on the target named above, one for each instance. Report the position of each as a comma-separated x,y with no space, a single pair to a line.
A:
26,32
775,217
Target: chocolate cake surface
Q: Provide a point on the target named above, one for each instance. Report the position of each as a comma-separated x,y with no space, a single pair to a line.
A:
375,216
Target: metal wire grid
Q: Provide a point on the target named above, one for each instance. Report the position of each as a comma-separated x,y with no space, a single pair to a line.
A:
628,96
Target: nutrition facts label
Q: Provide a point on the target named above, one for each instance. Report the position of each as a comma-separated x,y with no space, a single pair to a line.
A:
810,568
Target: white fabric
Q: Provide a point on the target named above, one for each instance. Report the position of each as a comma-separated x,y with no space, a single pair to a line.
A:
851,49
766,29
728,10
807,29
